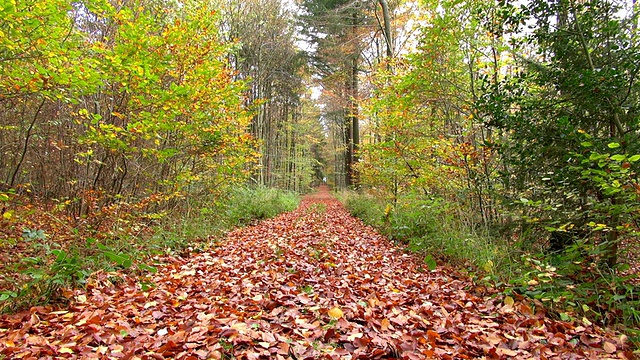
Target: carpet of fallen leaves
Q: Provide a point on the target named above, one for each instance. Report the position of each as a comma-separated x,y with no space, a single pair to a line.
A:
313,283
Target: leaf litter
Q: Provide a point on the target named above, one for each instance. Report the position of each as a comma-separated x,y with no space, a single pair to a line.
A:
310,284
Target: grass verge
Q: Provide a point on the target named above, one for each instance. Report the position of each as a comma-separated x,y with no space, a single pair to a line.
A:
43,254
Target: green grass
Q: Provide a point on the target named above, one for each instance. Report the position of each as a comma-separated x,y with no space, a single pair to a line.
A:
429,227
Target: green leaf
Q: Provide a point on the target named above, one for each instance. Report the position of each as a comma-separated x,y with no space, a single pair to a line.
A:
430,262
151,269
119,259
59,254
619,297
613,145
618,157
565,317
634,158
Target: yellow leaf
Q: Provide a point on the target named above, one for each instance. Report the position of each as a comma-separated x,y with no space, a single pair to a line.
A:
384,324
354,336
65,350
241,327
508,301
335,313
488,266
150,304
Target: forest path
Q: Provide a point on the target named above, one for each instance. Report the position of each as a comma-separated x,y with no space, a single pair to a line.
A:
313,283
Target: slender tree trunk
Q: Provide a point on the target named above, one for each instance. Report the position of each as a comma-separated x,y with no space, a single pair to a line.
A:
25,147
387,28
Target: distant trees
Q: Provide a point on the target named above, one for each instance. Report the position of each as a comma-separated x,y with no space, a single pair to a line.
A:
276,70
334,28
339,32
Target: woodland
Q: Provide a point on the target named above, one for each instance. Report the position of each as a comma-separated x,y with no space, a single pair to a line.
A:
165,168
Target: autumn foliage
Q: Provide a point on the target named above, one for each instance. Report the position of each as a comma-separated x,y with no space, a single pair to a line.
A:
118,102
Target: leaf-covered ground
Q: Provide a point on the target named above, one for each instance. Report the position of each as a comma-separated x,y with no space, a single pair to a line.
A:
313,283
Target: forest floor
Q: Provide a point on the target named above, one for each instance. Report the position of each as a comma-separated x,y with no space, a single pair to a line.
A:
313,283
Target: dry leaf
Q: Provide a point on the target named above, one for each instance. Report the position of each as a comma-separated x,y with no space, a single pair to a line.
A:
335,313
508,301
609,347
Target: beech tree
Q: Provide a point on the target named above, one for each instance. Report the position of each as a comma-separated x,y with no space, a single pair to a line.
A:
104,103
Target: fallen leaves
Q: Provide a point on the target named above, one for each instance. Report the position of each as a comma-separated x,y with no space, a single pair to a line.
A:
308,284
335,313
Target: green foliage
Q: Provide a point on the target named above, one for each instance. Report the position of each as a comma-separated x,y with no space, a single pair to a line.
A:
430,262
367,208
572,285
33,234
249,204
569,120
527,130
215,215
128,101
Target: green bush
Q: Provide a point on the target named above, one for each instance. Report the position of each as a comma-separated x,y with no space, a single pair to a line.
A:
366,208
573,284
210,219
430,227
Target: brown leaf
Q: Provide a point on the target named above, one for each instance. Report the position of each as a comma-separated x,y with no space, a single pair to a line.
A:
609,347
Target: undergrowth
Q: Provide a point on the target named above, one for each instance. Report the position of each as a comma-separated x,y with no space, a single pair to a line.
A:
570,285
51,254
